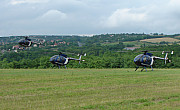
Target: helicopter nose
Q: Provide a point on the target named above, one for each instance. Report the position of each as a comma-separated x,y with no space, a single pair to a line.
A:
137,61
20,42
51,60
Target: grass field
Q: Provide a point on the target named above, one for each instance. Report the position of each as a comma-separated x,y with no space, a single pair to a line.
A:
80,89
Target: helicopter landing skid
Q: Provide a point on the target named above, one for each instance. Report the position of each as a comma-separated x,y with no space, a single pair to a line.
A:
136,68
143,69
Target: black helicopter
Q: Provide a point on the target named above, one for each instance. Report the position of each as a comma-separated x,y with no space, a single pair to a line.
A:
26,42
147,60
63,60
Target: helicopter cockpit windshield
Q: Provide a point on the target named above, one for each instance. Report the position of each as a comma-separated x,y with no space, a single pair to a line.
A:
137,60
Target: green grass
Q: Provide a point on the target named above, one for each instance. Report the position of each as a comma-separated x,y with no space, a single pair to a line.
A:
81,89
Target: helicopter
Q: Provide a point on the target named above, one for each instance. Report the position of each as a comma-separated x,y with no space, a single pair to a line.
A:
26,42
147,60
63,60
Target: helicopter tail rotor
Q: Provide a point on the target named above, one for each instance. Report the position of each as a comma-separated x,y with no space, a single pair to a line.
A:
166,58
80,56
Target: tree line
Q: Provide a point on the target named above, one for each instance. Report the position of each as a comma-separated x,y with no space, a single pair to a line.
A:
97,57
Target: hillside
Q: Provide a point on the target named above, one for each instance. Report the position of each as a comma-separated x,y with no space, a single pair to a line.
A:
103,51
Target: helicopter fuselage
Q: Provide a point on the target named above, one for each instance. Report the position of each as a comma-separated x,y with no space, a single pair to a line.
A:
25,42
59,60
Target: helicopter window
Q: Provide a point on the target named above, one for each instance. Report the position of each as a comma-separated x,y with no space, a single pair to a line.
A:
58,58
62,59
146,59
25,42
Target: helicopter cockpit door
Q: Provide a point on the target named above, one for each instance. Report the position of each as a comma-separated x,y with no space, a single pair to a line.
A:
146,60
61,59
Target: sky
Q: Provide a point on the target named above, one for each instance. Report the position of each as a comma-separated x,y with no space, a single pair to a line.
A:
86,17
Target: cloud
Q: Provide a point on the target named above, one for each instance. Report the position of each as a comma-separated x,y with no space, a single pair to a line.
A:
123,17
15,2
53,15
88,16
162,17
51,21
174,2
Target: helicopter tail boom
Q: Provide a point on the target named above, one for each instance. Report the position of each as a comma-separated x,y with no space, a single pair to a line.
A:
80,56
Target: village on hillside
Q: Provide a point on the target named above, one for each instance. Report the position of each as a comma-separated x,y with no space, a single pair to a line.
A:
130,41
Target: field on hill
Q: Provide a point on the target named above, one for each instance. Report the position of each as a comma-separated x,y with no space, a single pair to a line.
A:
177,37
158,40
81,89
137,43
134,43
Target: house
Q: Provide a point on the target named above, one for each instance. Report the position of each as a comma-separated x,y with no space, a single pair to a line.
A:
35,45
15,47
16,51
55,44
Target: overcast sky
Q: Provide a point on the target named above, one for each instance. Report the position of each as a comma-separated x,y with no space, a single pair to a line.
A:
29,17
